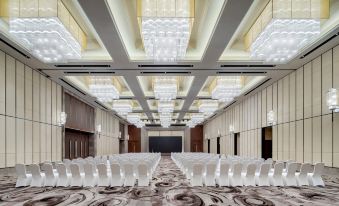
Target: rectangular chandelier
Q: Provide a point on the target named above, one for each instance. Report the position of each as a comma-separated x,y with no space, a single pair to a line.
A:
133,118
165,88
226,88
165,106
165,119
197,118
284,28
208,107
165,27
46,29
122,107
103,89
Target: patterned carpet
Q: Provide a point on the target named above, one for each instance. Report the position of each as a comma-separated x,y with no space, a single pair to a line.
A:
169,187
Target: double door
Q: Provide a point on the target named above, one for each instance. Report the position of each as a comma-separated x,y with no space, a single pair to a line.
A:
76,144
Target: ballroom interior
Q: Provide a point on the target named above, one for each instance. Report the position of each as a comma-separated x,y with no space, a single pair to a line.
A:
169,102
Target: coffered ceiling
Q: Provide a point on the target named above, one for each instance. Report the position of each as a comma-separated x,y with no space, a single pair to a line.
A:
216,48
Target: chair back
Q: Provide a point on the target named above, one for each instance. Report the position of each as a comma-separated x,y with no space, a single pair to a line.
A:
237,168
251,168
115,169
318,169
128,169
102,170
75,170
305,168
61,169
35,170
264,169
48,168
142,169
211,168
20,170
292,168
88,169
224,168
278,169
197,169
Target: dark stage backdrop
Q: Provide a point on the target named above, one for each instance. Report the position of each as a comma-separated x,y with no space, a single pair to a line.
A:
165,144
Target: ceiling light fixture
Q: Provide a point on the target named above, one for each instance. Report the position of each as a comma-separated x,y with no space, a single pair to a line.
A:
284,28
47,30
226,88
122,107
208,107
197,118
165,28
103,89
165,88
165,106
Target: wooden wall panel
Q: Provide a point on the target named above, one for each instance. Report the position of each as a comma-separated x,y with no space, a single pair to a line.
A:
10,86
316,86
308,90
28,93
48,101
300,140
292,97
308,140
326,78
2,83
316,138
20,90
197,138
300,93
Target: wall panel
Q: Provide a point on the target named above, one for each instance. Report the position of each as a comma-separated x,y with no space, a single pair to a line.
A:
2,83
28,93
10,86
335,67
275,142
20,141
263,108
308,90
286,141
336,140
300,141
292,148
10,142
20,90
316,86
2,141
292,97
326,78
36,96
28,142
316,138
327,141
36,142
280,141
300,93
279,113
308,157
286,99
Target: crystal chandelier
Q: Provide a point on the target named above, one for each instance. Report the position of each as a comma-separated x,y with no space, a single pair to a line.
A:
133,118
226,88
103,89
284,28
333,99
51,35
208,107
197,118
165,119
165,28
122,107
165,106
165,88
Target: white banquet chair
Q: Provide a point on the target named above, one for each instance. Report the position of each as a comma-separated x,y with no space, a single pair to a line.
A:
197,175
38,178
209,177
261,179
276,178
223,179
23,179
103,178
116,175
315,178
51,178
235,177
90,178
63,177
249,177
76,179
129,175
302,175
290,177
143,175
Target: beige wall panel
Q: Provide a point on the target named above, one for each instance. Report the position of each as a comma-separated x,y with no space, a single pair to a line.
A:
286,141
326,81
336,67
263,108
275,142
286,99
10,142
54,143
43,137
10,86
299,141
316,86
20,90
280,142
308,157
36,96
275,98
336,140
292,97
316,138
42,99
59,100
327,142
59,143
280,111
259,143
36,142
48,101
308,90
2,141
28,142
292,149
28,93
54,104
270,98
259,110
300,93
2,83
20,141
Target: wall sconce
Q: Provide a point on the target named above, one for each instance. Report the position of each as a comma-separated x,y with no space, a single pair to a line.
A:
127,137
219,133
206,136
62,119
98,129
332,98
119,136
271,118
231,128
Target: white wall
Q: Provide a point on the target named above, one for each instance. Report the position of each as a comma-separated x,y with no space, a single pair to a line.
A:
306,130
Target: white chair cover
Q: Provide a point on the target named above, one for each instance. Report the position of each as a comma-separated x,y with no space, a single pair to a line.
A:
90,179
289,177
23,179
63,177
129,175
116,175
38,178
262,177
315,178
302,175
223,179
276,177
249,178
197,175
77,178
235,178
143,179
51,178
103,178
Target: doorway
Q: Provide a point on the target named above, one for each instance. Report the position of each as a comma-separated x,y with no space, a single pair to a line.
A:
208,146
236,143
218,145
266,142
76,144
